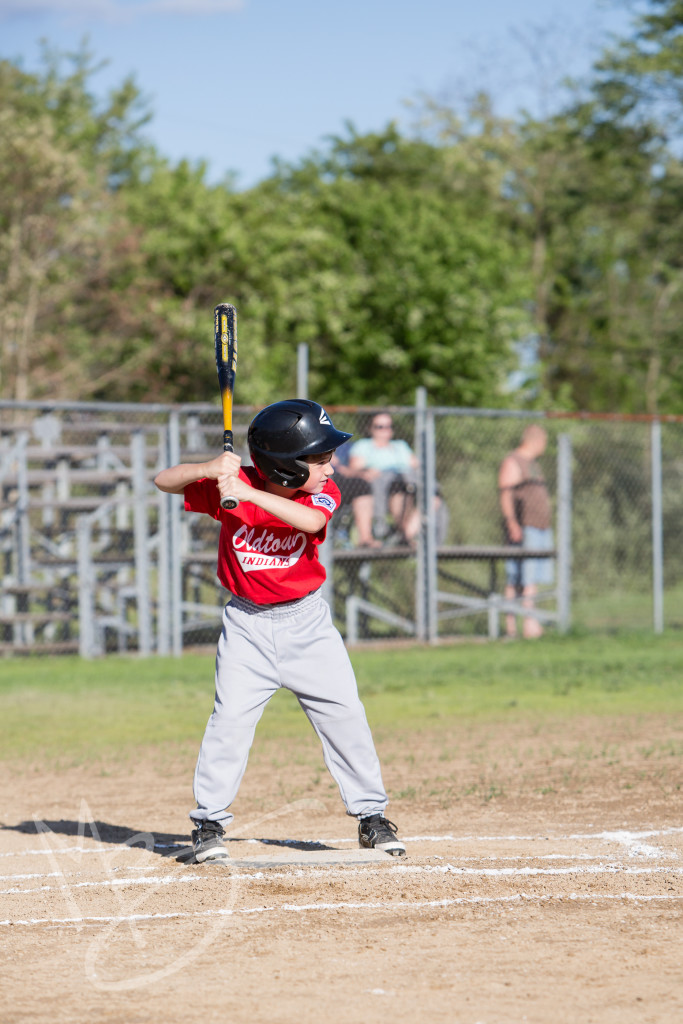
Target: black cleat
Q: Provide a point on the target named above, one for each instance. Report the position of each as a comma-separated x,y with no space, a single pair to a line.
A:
207,842
378,833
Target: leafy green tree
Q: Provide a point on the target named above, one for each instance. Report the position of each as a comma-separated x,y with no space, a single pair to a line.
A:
401,261
393,274
642,74
61,158
585,197
639,83
43,226
374,254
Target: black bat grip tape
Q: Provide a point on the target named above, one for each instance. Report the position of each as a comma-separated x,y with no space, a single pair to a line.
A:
227,501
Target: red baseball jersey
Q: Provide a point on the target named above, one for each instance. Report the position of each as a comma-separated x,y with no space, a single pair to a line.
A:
260,557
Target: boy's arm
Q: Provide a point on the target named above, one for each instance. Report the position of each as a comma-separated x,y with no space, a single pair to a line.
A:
224,469
301,517
175,479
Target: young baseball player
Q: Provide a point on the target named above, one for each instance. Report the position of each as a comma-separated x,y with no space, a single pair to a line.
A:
277,630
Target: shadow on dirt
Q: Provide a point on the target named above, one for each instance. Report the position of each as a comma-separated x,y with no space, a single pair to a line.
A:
162,843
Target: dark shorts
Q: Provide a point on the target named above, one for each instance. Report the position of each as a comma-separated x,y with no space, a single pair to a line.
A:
351,487
402,485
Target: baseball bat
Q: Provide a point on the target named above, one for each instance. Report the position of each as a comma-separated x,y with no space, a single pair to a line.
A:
225,342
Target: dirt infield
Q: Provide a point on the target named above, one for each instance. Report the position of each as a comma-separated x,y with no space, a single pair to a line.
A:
544,883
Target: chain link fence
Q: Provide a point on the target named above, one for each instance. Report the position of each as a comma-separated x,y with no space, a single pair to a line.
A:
95,559
612,557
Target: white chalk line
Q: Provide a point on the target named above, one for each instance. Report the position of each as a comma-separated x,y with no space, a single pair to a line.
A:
618,835
52,851
346,905
157,880
69,874
574,869
182,877
494,858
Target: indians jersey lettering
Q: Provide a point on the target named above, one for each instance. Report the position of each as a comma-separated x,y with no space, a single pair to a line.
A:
259,556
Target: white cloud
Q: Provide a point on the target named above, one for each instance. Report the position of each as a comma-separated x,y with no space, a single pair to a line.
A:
114,10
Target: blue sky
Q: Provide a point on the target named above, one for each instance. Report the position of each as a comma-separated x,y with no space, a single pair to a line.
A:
237,82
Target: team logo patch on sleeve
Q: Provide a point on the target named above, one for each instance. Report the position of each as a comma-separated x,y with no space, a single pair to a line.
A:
324,501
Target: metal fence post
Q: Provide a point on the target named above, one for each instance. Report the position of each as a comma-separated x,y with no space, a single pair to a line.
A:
86,590
23,539
176,567
426,617
23,632
302,370
564,531
352,619
421,628
493,616
431,555
657,528
138,465
163,557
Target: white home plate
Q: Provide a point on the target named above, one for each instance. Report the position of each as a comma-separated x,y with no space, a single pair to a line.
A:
296,859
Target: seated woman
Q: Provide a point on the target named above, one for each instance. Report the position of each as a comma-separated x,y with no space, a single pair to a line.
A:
389,467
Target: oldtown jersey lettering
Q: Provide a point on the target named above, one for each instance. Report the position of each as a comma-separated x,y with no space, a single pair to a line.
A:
260,557
267,551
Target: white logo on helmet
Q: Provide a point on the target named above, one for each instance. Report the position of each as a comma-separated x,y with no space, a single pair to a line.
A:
324,418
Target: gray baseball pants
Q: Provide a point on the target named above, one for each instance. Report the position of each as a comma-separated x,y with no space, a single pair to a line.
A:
293,645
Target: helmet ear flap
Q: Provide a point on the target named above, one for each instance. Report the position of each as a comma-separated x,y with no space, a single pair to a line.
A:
292,473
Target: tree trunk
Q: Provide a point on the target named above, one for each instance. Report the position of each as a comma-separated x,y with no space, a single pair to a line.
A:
26,343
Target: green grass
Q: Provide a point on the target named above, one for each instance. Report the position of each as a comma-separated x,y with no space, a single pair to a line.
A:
73,709
576,675
626,608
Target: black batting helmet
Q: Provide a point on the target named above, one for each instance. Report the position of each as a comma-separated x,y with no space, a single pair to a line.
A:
283,434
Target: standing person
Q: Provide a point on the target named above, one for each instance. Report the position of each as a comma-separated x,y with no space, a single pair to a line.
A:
389,467
525,505
277,630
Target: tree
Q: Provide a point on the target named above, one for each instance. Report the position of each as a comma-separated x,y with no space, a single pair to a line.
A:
586,197
401,260
374,253
642,76
639,83
44,224
60,160
395,276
